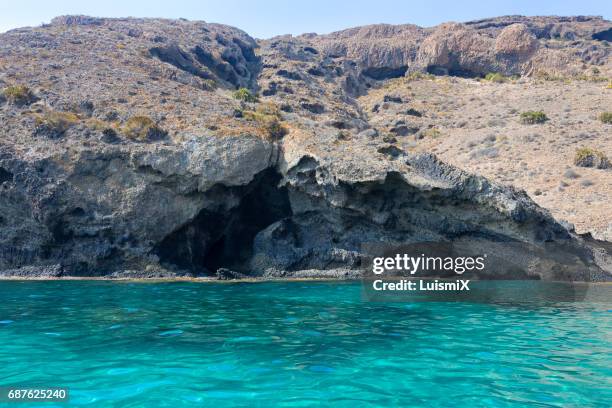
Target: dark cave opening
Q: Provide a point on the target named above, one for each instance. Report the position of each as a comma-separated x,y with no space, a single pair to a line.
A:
382,73
223,238
605,35
5,175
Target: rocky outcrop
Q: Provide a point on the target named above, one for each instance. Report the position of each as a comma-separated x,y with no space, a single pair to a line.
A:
192,212
383,51
507,45
545,27
334,218
457,49
516,40
218,192
109,208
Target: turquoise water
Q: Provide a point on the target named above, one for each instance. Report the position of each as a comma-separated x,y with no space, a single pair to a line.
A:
122,344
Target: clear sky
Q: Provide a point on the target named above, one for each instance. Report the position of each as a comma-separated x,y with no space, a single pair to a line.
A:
263,19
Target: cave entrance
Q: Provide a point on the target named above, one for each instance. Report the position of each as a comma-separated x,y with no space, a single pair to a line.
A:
605,35
382,73
223,238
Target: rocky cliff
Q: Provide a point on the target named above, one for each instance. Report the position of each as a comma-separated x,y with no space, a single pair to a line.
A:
126,149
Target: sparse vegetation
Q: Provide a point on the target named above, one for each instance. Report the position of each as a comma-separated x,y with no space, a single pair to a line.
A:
54,124
533,117
19,95
587,157
413,76
432,133
96,124
495,77
275,129
606,117
245,95
268,109
591,78
208,84
143,128
269,119
547,76
107,129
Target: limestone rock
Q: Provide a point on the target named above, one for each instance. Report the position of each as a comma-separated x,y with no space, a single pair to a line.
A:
516,40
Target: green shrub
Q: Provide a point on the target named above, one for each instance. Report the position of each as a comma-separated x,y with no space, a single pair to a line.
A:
587,157
533,117
54,124
208,84
495,77
606,117
245,95
143,128
19,95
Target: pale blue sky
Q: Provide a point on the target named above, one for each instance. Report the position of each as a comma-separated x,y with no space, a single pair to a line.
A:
264,19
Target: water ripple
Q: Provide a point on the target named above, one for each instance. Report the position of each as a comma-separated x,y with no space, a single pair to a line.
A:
297,344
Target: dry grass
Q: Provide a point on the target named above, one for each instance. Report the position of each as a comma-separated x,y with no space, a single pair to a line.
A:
587,157
54,124
269,120
19,95
142,129
432,133
99,125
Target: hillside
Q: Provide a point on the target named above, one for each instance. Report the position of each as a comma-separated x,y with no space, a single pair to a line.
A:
182,147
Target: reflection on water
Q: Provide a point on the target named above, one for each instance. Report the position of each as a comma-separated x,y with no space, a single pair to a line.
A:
299,343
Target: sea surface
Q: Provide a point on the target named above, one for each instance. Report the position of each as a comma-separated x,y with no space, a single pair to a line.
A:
298,344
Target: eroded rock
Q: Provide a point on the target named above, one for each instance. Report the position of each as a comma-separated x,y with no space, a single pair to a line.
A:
216,191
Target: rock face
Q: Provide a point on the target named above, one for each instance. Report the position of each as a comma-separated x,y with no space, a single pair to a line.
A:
457,49
516,40
220,190
511,45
